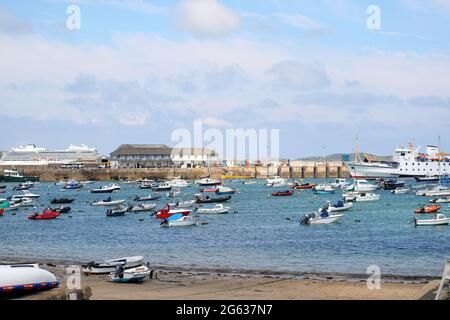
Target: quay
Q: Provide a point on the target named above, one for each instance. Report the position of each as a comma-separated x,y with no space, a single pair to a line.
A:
307,170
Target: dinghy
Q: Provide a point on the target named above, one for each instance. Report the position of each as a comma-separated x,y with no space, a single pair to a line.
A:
143,207
441,200
284,193
133,275
428,209
25,278
13,206
107,203
109,266
26,194
438,220
304,186
222,190
162,187
324,188
204,182
217,209
207,199
62,201
46,215
116,212
146,198
62,209
401,191
179,220
25,202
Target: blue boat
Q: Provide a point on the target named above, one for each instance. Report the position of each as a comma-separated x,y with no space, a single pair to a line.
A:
72,185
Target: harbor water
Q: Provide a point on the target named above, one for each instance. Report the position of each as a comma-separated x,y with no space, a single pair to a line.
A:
261,233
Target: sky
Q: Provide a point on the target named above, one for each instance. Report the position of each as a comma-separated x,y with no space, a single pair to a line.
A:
134,71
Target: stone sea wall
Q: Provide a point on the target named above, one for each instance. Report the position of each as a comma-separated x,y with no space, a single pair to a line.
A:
309,170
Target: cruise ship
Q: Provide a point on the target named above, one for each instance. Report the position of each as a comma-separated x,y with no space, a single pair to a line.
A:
407,162
32,155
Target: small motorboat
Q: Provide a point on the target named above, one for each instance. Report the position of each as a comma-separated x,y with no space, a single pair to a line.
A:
107,202
320,218
22,187
276,182
147,184
62,209
324,188
204,182
429,178
438,220
16,278
222,190
106,189
249,182
284,193
132,275
179,220
340,183
338,207
401,190
146,198
183,204
46,215
109,266
391,184
73,185
217,209
25,202
13,205
303,186
143,207
164,186
62,201
440,200
167,212
116,212
360,197
179,183
361,185
428,209
26,194
208,199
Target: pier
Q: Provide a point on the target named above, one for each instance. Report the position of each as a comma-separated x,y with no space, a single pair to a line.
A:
307,170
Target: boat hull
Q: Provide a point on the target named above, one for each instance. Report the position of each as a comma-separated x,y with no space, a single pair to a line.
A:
18,179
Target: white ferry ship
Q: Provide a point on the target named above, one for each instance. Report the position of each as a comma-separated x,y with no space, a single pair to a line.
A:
406,162
32,155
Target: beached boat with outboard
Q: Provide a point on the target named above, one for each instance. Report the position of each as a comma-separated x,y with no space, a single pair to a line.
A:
109,266
132,275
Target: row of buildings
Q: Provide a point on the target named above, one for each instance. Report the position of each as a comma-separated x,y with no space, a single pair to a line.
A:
125,156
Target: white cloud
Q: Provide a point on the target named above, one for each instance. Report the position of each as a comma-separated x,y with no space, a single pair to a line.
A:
215,122
301,21
298,76
133,120
10,23
207,18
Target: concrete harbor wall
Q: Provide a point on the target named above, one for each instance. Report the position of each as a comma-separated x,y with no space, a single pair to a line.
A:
309,170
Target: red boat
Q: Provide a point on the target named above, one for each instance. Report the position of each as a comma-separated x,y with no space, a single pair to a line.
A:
46,215
166,212
283,193
1,212
428,209
304,186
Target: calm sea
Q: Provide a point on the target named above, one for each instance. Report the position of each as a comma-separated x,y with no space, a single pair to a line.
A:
263,233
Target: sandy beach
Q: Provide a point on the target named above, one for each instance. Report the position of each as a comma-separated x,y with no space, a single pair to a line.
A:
180,284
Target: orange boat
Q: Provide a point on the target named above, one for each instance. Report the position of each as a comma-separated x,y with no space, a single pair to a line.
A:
428,209
304,186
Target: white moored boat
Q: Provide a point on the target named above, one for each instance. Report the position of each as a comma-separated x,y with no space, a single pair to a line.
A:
276,182
179,220
441,200
360,197
178,183
338,207
320,218
26,194
438,220
361,185
109,266
107,203
143,207
340,183
217,209
183,204
204,182
25,277
401,191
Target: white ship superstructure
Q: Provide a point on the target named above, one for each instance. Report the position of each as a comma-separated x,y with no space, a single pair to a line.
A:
32,155
406,162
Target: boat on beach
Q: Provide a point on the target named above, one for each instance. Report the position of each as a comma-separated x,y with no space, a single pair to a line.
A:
437,220
16,278
108,266
132,275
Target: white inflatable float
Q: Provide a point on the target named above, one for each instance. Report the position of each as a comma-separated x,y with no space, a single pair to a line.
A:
25,277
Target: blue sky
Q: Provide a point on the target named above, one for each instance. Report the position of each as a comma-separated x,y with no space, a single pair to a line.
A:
137,70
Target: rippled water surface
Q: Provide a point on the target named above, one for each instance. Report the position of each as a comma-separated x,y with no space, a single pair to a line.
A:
262,233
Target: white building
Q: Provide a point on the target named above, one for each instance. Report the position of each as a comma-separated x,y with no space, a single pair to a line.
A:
194,157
